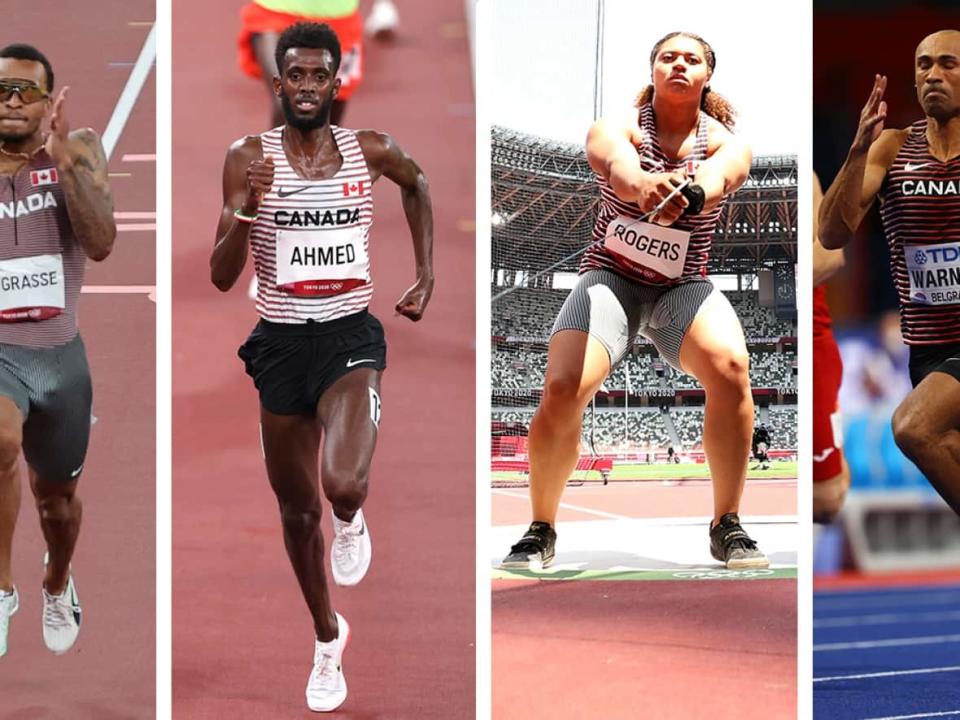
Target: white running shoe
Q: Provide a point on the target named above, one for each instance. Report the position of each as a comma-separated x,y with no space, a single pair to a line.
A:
351,550
383,20
327,688
61,617
9,604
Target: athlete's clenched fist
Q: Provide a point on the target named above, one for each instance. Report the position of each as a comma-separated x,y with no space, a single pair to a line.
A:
259,181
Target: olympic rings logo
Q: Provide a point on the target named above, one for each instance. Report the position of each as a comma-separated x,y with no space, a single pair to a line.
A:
723,574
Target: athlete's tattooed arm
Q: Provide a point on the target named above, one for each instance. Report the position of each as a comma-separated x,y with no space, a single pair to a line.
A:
82,170
247,176
384,157
727,167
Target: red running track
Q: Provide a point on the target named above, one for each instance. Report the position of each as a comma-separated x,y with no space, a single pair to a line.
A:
110,672
242,637
645,648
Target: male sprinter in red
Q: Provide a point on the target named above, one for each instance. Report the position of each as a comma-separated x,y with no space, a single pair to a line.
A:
831,475
300,197
55,212
916,174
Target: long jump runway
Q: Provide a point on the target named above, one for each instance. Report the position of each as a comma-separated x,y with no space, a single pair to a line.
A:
635,606
110,673
242,637
889,649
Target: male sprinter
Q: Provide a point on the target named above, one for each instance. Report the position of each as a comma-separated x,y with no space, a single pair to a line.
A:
264,20
55,212
300,197
916,173
831,475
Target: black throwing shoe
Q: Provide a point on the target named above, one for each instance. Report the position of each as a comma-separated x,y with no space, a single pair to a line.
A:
535,549
730,544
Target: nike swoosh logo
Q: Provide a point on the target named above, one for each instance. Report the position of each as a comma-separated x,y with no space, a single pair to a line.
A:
288,193
823,456
77,471
910,168
351,363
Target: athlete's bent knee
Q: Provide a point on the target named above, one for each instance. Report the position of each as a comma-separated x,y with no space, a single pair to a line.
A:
57,508
729,371
828,497
911,432
11,439
347,489
299,518
561,393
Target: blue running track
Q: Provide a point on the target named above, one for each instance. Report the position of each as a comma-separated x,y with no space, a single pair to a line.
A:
890,653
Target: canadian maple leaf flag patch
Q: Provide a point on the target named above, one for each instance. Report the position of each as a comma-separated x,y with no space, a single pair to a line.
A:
354,188
39,178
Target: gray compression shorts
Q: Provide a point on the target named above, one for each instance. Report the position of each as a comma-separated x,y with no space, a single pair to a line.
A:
614,310
52,389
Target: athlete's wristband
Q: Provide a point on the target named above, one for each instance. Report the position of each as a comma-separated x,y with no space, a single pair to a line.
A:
238,214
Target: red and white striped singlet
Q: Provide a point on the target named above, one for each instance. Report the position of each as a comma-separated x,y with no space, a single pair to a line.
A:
35,226
700,227
920,208
320,226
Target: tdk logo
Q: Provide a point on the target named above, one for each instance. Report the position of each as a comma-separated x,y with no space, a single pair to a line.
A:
938,255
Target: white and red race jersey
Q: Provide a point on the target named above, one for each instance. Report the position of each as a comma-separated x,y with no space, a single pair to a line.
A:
310,239
920,208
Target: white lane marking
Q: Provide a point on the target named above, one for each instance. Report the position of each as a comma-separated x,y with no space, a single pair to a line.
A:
944,713
891,642
890,673
135,227
138,76
135,216
759,519
886,619
139,158
887,599
117,289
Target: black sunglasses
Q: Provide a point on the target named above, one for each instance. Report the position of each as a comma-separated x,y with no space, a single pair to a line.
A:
29,92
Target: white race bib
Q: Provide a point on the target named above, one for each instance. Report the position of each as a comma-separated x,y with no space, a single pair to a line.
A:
661,249
934,272
31,288
321,262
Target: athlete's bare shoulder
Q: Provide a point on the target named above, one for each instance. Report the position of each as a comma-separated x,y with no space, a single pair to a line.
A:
719,135
246,148
884,150
380,152
617,127
87,136
374,144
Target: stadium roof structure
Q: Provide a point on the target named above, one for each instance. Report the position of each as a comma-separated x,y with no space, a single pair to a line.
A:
544,200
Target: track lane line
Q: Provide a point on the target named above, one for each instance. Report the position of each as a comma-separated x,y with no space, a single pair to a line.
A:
889,673
131,91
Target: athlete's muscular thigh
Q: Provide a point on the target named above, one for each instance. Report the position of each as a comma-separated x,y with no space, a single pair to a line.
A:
931,409
290,447
349,411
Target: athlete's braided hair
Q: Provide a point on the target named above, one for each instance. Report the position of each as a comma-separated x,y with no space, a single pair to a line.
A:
712,103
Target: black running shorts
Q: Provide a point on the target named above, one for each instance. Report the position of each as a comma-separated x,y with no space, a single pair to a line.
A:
292,365
51,387
925,359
